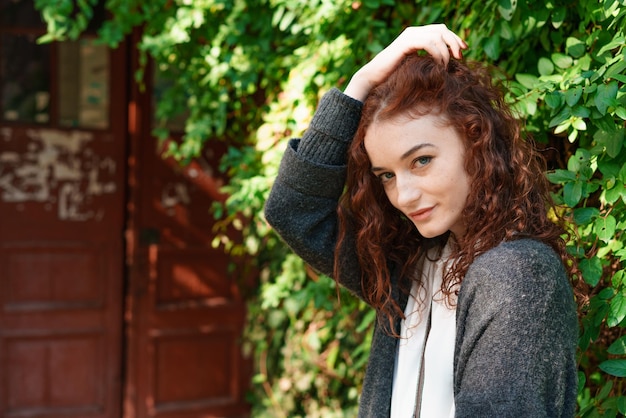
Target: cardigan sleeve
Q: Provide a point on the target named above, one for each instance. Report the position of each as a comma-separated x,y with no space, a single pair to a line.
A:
516,335
302,205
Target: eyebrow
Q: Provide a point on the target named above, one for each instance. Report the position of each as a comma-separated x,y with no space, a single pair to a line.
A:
408,153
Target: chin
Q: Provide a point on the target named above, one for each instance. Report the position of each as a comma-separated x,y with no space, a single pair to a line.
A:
430,233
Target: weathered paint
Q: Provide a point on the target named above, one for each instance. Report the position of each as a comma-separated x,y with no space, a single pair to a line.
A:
174,194
57,168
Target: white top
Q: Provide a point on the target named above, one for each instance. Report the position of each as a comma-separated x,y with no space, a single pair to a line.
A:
437,391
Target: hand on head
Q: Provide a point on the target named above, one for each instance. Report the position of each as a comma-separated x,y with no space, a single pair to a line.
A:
437,40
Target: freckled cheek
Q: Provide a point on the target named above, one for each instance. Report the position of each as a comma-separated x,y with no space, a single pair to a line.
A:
464,193
456,190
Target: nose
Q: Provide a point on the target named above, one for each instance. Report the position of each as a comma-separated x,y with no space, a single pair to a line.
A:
408,191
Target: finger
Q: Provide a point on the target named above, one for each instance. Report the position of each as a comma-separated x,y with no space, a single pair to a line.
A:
436,39
439,51
458,39
455,44
445,54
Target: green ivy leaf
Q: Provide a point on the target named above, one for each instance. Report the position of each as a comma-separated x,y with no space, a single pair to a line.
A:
614,367
611,195
583,216
618,346
560,176
611,140
605,96
560,117
606,294
579,124
621,175
608,167
618,310
615,43
562,60
572,193
581,111
591,269
610,183
620,77
553,99
507,8
527,80
621,404
578,160
616,68
618,277
574,47
545,66
505,30
492,47
582,379
621,254
605,228
573,95
606,389
529,105
558,16
48,37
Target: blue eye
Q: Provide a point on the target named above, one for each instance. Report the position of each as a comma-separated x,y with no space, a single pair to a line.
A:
422,161
385,177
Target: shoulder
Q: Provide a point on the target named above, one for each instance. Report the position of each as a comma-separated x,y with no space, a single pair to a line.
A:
518,257
519,249
516,271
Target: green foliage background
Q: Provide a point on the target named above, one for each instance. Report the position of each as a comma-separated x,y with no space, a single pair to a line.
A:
252,71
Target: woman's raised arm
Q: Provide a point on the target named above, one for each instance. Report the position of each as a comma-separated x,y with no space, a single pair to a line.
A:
437,40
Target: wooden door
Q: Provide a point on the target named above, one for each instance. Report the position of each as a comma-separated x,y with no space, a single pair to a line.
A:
62,195
185,316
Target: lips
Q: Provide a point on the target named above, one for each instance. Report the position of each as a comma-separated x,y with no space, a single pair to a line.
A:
422,214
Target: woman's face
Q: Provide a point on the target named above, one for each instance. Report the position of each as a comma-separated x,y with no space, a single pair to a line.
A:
420,163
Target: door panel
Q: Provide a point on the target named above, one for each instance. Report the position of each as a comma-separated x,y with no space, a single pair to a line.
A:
40,278
60,289
59,387
191,277
184,314
62,203
185,355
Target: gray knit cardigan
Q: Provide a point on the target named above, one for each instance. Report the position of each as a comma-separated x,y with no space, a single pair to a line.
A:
516,329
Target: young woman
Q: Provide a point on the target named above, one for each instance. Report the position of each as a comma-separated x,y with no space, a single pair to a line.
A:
443,228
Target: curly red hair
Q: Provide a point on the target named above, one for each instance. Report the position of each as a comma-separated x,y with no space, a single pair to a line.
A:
509,194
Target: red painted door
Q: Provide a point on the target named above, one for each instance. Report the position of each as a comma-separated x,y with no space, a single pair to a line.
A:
185,316
62,197
113,302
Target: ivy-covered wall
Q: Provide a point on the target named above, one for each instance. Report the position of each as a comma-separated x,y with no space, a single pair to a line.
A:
252,71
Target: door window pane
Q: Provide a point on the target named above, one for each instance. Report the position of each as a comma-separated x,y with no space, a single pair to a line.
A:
24,79
177,100
20,12
83,84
